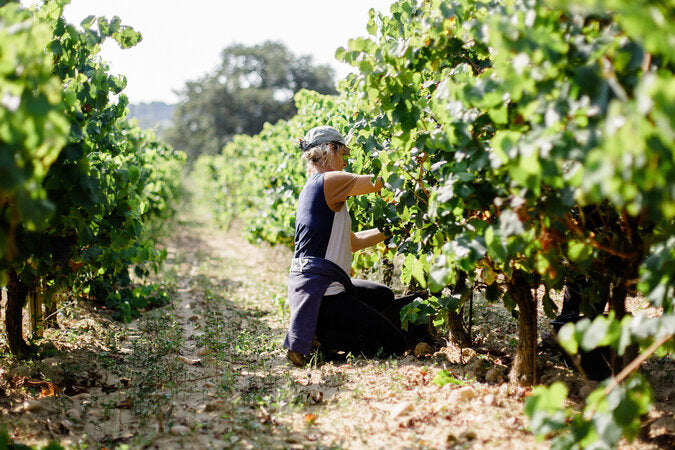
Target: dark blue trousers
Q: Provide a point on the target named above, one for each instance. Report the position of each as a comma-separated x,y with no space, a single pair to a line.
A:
367,324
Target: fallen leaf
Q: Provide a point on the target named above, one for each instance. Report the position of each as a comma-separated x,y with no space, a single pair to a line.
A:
310,418
124,404
190,361
50,390
17,382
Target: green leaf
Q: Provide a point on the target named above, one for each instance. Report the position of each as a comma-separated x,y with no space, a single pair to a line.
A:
550,308
371,27
510,224
115,24
505,144
418,273
104,26
127,37
545,407
406,269
439,275
444,377
499,115
546,399
496,248
134,174
492,292
568,339
594,334
451,303
578,251
88,21
394,182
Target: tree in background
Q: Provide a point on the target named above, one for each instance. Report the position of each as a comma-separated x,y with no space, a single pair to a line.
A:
155,115
253,85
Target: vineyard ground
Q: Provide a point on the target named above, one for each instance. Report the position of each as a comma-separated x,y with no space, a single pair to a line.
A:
208,371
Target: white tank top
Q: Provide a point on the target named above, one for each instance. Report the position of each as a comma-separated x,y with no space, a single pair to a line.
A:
339,248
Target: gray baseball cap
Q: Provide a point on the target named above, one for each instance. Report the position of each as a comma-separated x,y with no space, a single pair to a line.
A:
321,135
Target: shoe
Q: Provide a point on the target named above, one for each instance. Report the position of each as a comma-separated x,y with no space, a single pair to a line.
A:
562,319
297,358
569,316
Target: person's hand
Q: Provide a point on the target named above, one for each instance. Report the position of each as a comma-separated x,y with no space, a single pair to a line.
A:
389,225
395,231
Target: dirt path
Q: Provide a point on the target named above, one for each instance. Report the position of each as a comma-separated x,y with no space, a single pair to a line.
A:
230,308
209,371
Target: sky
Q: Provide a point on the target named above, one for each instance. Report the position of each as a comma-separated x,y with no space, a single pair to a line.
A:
182,40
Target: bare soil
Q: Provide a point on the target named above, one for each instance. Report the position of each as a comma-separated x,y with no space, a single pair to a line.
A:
209,371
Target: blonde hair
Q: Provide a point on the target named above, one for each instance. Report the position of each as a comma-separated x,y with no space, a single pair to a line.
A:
318,156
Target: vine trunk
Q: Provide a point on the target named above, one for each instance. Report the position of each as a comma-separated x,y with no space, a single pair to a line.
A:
458,334
524,368
16,296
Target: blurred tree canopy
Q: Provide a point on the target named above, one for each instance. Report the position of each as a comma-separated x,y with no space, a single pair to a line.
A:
253,85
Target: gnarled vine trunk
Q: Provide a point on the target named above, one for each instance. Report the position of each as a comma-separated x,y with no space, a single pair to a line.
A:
524,368
16,296
35,311
458,334
629,272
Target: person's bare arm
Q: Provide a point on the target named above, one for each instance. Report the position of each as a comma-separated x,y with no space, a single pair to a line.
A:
364,185
366,238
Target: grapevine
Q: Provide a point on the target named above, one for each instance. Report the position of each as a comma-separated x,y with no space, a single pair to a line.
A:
84,186
522,144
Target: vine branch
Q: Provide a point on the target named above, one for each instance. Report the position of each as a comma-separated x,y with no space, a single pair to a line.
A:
637,362
594,243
